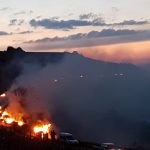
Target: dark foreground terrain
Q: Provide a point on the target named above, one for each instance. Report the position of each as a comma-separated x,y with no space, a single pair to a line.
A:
11,140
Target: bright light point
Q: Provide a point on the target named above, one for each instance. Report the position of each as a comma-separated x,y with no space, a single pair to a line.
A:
56,80
81,76
43,128
9,120
5,114
20,123
3,95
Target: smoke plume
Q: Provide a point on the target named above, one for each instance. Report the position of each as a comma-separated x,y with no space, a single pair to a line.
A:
94,100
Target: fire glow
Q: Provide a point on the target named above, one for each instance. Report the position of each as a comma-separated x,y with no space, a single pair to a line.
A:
43,128
20,123
8,119
38,128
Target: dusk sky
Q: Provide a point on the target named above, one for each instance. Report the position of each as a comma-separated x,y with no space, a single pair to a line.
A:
114,30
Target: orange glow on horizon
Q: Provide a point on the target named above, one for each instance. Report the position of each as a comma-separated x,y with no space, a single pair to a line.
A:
136,52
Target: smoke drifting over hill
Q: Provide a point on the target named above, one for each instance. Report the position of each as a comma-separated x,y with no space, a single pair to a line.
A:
94,100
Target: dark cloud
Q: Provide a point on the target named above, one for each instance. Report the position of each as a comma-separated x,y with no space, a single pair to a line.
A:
92,34
115,9
131,22
38,17
23,12
93,38
92,17
18,22
3,33
84,20
63,24
31,12
87,16
13,22
110,32
4,8
25,32
20,13
55,18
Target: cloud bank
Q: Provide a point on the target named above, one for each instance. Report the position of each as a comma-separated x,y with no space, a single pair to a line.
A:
93,38
84,20
2,33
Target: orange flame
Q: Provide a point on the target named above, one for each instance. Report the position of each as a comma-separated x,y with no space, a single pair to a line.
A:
7,119
20,123
42,128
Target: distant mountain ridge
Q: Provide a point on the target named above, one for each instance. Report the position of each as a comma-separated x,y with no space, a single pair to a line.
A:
73,63
19,53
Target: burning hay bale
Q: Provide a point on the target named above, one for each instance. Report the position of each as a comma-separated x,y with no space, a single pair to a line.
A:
35,127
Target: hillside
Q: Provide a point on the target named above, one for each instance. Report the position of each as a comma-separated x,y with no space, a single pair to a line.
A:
95,100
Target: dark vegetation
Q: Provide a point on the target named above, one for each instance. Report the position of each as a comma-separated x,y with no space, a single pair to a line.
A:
11,140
